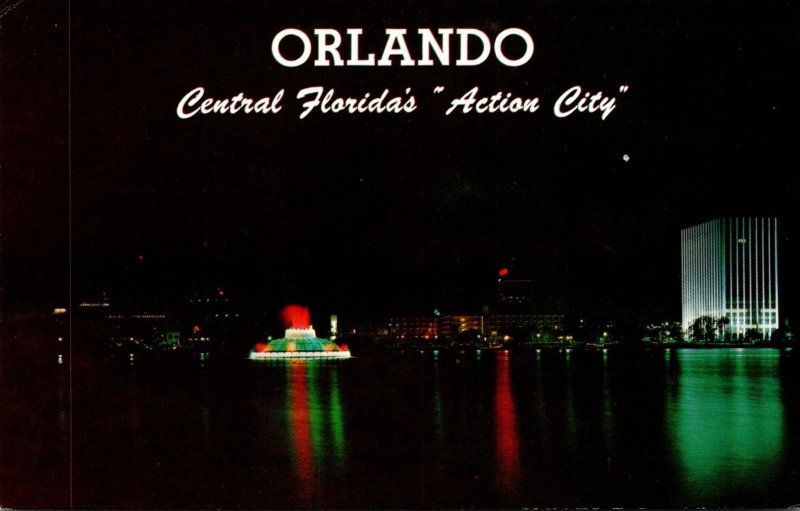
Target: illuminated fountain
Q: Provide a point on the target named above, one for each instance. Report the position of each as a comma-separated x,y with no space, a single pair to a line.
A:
299,341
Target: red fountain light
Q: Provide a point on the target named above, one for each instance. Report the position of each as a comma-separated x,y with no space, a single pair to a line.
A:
296,316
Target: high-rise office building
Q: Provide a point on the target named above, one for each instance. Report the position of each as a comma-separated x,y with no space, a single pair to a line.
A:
514,291
729,269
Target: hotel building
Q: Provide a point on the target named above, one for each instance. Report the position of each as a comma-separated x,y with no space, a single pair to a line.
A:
729,269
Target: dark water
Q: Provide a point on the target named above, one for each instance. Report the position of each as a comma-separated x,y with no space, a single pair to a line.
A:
682,428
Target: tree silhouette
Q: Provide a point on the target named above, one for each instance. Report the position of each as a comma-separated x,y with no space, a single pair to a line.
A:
704,329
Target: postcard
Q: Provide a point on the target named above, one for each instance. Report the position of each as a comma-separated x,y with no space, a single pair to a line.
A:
402,254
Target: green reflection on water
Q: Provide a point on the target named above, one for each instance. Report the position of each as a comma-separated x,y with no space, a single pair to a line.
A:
337,425
438,413
726,421
315,411
608,413
316,424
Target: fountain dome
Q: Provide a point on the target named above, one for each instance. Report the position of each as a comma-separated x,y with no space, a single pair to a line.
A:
299,343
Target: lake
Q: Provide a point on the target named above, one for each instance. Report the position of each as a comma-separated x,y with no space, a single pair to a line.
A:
661,428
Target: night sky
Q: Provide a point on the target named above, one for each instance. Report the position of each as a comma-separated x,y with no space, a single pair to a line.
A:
388,213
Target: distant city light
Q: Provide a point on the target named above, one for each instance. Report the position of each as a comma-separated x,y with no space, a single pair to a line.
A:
503,272
59,310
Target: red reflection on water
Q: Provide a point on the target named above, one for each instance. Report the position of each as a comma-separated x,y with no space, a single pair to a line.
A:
506,426
300,426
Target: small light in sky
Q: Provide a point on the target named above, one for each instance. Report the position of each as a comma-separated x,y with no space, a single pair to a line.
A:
626,158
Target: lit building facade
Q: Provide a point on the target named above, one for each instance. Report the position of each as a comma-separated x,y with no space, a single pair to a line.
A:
414,328
729,269
500,324
451,326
